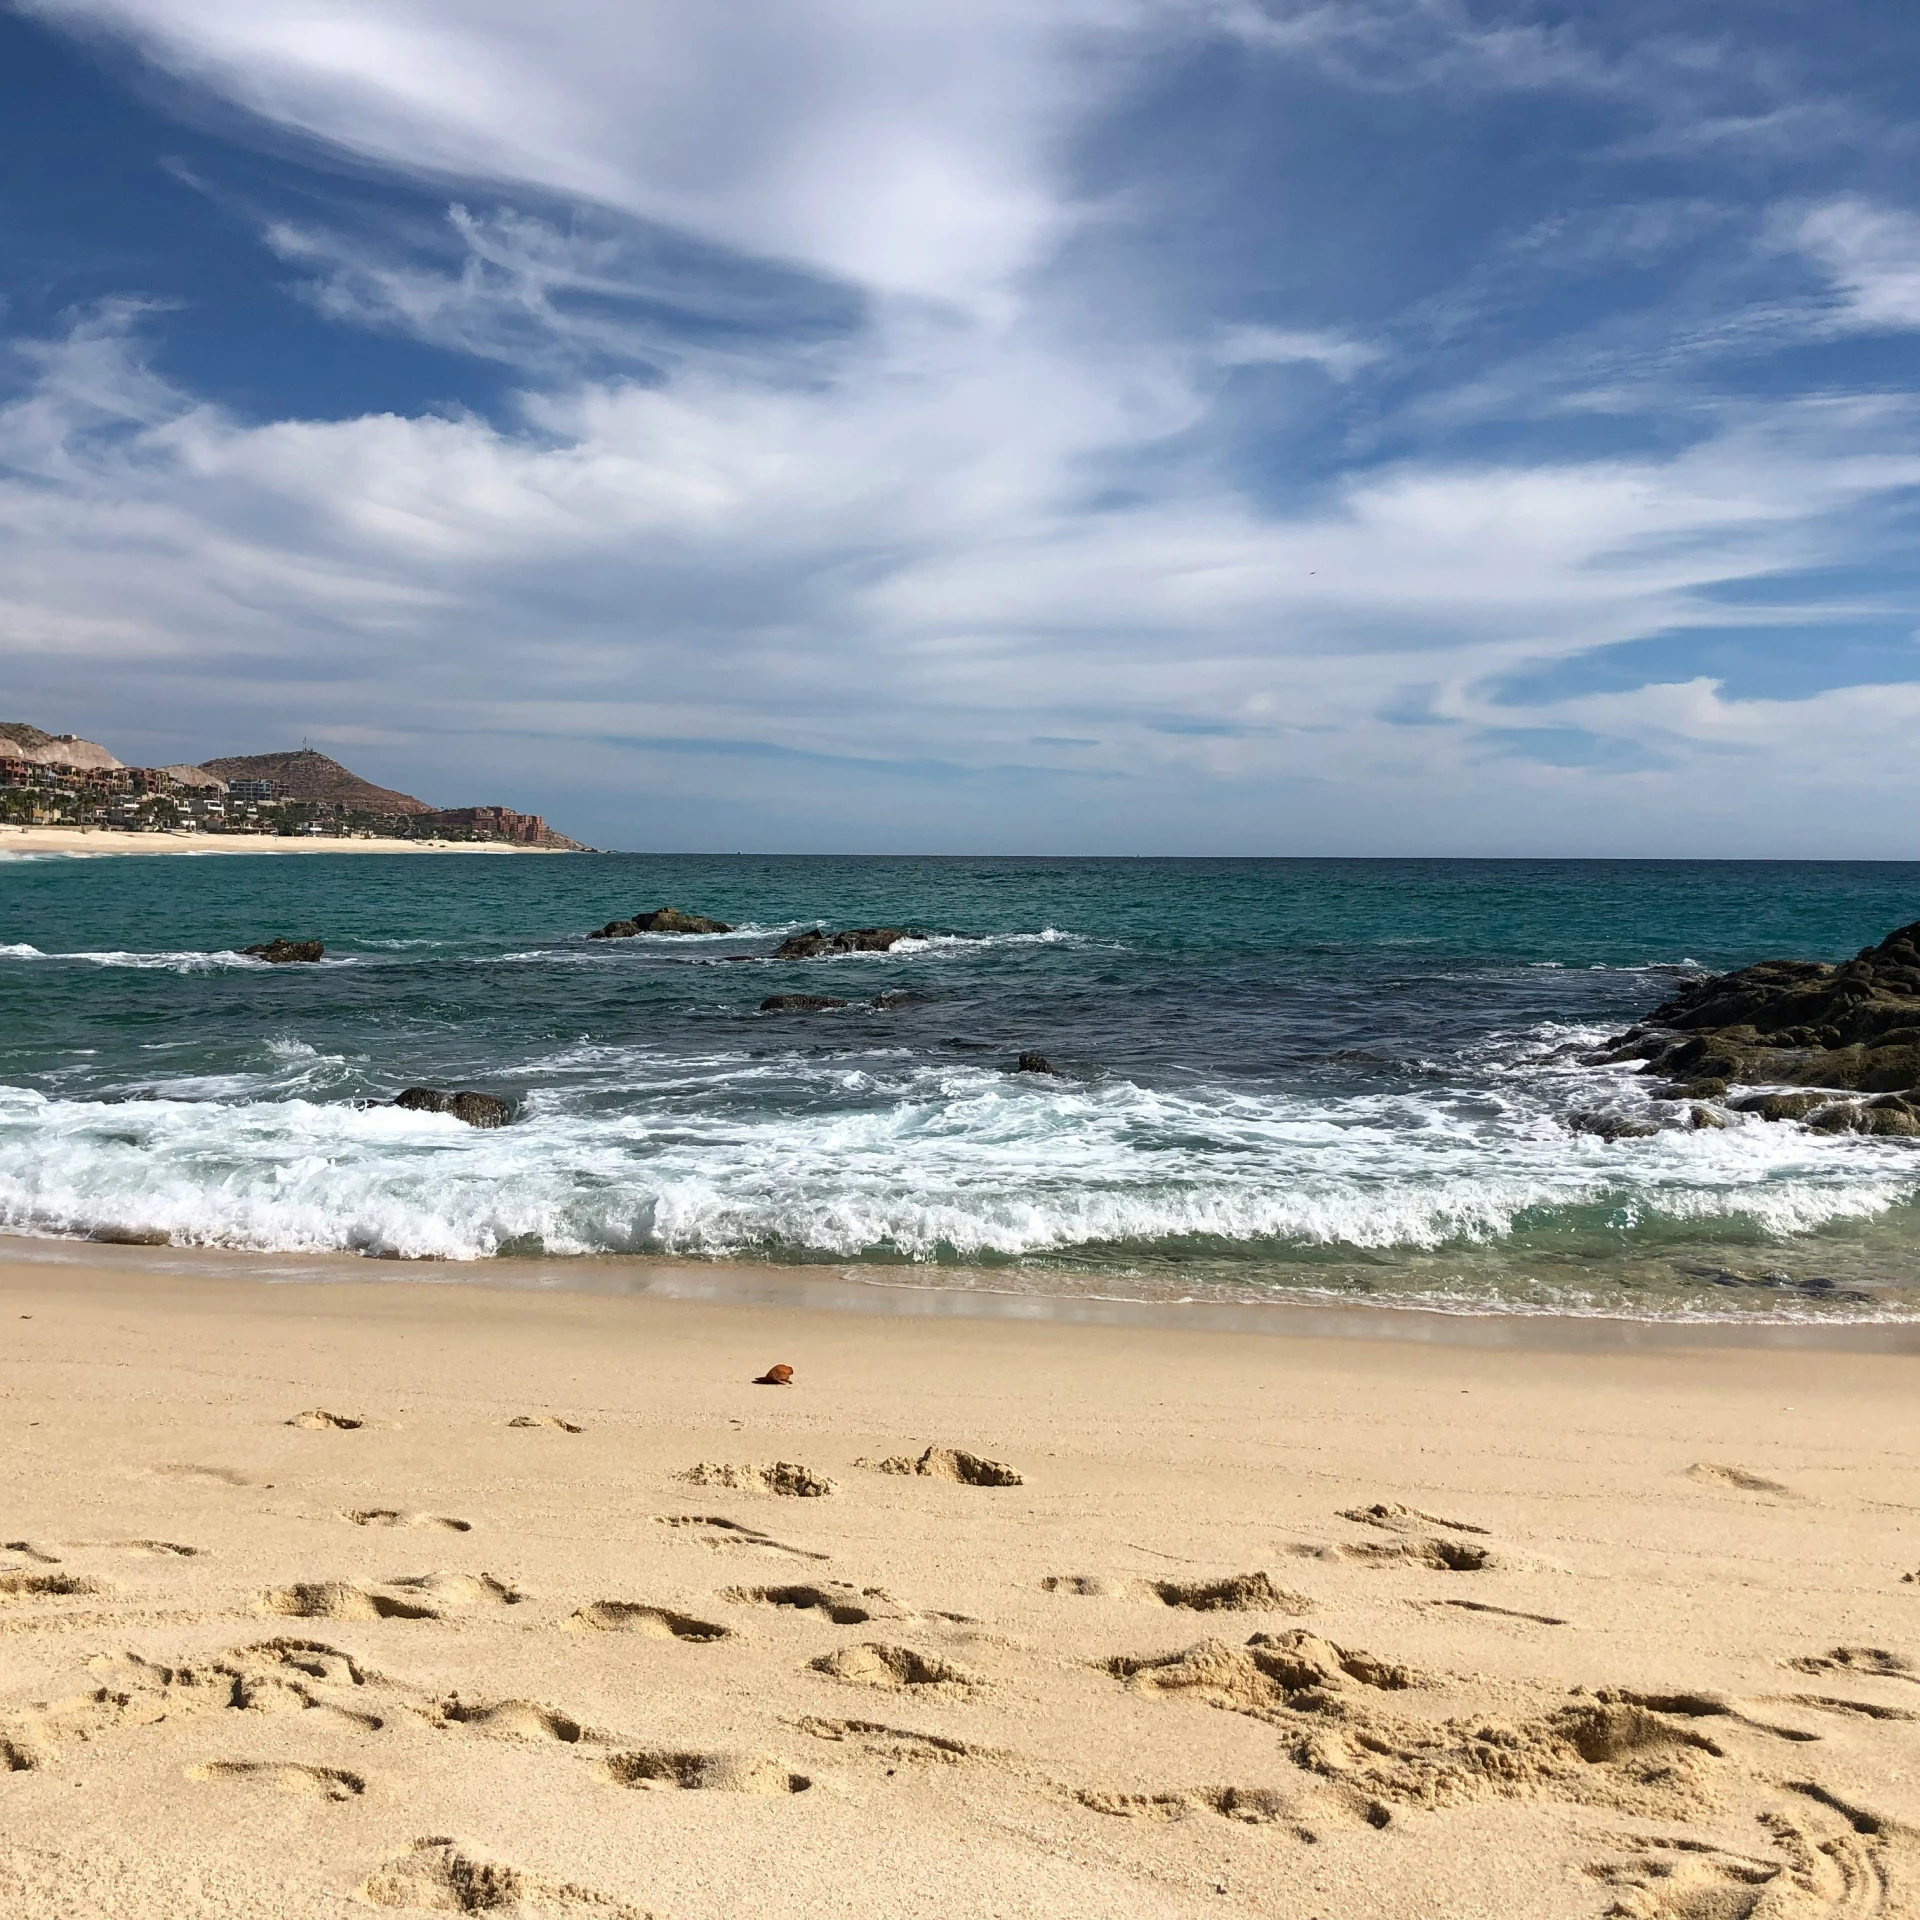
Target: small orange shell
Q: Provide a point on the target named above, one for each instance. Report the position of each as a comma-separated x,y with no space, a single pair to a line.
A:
775,1377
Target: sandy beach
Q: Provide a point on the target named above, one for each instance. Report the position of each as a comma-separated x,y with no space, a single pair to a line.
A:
323,1598
107,840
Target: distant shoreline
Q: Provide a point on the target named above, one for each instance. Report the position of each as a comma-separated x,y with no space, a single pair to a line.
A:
96,841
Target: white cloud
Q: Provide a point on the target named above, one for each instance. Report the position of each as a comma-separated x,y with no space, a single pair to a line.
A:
1872,255
896,566
1279,347
906,148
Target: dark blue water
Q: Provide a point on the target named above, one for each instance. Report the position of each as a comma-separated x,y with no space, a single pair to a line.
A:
1343,1077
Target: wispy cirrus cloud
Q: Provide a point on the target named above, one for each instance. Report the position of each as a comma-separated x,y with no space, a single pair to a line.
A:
883,460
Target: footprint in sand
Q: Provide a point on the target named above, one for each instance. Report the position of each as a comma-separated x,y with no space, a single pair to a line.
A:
1395,1518
426,1596
46,1586
318,1419
1831,1857
440,1874
28,1551
552,1420
510,1720
1832,1703
158,1549
220,1476
285,1776
395,1517
873,1664
786,1477
339,1600
949,1463
658,1768
1881,1662
1741,1479
882,1742
131,1691
1252,1806
1268,1672
716,1530
839,1603
1229,1593
1436,1553
652,1623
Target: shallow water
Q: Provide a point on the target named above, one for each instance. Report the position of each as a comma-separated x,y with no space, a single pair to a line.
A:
1333,1079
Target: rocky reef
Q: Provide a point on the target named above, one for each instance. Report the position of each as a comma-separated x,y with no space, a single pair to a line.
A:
283,952
818,945
1808,1031
476,1109
660,920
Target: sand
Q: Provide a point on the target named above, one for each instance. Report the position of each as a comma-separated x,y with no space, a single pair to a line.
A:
329,1599
109,840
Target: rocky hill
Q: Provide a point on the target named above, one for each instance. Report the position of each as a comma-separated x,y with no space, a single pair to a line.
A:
312,777
18,741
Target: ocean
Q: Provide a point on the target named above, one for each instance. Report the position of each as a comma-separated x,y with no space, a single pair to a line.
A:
1326,1080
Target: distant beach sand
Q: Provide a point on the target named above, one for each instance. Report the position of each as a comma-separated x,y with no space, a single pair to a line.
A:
391,1595
106,840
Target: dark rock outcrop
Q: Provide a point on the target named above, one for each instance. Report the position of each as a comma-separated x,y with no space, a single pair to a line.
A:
1034,1063
818,945
660,920
281,953
476,1109
800,1003
1852,1028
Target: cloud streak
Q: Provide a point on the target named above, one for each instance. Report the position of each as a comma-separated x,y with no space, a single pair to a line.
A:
843,494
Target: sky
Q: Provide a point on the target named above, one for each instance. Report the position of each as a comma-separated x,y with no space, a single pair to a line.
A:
998,426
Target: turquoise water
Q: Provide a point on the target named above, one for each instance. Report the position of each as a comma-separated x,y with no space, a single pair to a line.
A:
1324,1078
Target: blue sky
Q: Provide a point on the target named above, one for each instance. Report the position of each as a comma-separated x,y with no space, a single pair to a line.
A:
1393,426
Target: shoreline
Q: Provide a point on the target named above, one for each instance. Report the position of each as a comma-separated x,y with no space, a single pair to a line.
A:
95,842
845,1291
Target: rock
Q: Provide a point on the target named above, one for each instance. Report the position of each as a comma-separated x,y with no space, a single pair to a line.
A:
800,1002
1034,1063
1700,1117
1780,1106
1611,1126
816,945
1853,1027
1889,1122
280,953
660,920
476,1109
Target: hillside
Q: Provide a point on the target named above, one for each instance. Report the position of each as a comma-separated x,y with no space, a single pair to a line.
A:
18,741
311,776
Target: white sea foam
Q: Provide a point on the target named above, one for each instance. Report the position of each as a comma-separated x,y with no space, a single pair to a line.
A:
728,1154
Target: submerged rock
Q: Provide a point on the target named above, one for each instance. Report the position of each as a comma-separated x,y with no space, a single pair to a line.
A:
476,1109
1851,1028
281,952
816,944
800,1003
1034,1063
660,920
